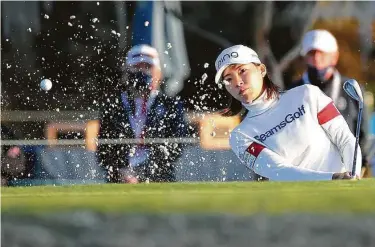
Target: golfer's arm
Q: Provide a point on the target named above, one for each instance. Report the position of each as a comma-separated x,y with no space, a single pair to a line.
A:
269,164
340,134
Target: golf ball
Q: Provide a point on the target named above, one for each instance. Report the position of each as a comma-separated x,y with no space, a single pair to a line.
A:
46,84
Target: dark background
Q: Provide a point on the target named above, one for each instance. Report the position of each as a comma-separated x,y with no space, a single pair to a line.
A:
69,57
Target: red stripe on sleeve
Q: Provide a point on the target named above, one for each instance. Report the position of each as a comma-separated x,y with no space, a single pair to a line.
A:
255,149
328,113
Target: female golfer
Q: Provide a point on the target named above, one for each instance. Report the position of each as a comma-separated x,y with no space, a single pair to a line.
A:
283,136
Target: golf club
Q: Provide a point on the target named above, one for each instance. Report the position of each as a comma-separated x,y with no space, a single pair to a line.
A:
352,88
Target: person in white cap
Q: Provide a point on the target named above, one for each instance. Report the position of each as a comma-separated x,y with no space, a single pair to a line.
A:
144,59
297,135
320,53
140,110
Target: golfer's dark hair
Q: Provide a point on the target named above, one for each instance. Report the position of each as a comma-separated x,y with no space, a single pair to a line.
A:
235,107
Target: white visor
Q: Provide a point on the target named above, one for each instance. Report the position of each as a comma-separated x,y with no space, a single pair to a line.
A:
238,54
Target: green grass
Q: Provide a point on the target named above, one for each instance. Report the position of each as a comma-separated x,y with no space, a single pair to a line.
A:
235,197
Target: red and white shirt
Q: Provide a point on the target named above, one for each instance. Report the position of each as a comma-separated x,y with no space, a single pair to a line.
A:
300,136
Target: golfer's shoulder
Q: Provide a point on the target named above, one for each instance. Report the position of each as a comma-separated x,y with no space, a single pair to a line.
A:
242,132
306,90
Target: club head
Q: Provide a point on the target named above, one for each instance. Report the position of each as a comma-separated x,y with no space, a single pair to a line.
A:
352,88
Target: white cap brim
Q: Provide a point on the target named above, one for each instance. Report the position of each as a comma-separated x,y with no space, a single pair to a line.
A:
318,48
143,59
223,67
237,54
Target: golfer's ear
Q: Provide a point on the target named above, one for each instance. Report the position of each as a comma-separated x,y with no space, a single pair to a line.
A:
263,69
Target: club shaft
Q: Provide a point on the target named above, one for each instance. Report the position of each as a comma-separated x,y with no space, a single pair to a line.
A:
359,119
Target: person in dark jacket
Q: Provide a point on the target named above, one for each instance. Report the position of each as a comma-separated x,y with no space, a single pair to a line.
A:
138,109
320,53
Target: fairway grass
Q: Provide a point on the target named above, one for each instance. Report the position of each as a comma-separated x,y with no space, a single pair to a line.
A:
231,198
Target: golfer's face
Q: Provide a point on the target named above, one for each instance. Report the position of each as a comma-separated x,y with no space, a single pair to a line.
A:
243,81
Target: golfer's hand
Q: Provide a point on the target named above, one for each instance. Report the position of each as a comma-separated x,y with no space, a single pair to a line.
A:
128,176
130,180
344,176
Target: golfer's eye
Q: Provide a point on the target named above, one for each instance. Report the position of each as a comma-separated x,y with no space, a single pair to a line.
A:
242,70
227,81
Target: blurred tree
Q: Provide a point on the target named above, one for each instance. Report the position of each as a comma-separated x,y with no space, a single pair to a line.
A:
274,29
264,21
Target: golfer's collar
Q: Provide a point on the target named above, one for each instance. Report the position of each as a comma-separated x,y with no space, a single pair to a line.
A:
260,105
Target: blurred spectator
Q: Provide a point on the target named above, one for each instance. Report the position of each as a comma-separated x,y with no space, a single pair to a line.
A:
139,110
321,54
13,159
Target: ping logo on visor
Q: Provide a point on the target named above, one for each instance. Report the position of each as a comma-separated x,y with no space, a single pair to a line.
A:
226,56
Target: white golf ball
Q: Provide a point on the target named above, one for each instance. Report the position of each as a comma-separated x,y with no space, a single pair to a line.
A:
46,84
